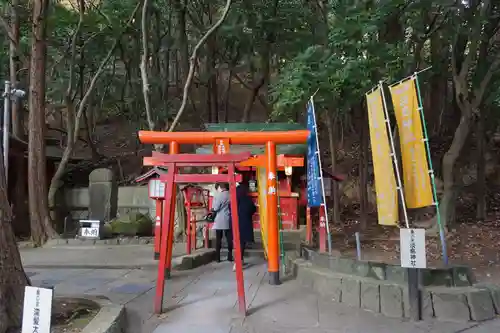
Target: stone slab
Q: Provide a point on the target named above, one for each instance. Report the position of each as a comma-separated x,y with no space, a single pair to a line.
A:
378,271
305,276
110,319
391,301
370,296
361,268
437,277
329,287
481,305
450,305
494,292
132,288
396,274
351,292
427,305
462,276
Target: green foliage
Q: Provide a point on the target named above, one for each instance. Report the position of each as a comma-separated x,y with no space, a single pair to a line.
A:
345,65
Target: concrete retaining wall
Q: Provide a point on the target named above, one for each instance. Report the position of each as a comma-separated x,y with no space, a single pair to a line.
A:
453,276
130,199
476,303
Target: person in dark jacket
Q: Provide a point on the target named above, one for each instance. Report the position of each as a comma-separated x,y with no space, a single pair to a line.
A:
246,209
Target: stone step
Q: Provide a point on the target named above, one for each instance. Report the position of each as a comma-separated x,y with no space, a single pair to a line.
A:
456,304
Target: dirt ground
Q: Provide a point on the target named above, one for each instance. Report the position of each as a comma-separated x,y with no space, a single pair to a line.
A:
475,244
71,316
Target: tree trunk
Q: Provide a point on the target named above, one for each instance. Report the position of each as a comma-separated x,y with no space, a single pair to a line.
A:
19,184
144,64
251,99
16,109
12,276
363,168
481,165
41,227
227,95
448,202
182,41
213,89
332,125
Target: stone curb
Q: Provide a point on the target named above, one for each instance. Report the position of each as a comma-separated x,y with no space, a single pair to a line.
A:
185,262
194,260
109,319
456,304
453,276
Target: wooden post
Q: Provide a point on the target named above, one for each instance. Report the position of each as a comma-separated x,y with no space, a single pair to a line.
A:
308,226
323,240
188,228
193,231
272,215
157,234
174,149
163,269
236,239
208,225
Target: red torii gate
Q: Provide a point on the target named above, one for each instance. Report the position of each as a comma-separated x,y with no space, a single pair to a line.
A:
229,161
173,163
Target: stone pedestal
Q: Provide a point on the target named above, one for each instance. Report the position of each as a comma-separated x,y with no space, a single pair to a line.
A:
103,195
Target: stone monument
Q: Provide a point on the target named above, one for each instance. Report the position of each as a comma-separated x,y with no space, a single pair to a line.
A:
103,195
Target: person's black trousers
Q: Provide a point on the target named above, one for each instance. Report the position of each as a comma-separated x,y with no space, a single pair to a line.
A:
218,244
242,244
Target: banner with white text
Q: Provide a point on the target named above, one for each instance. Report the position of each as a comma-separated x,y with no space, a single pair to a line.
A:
416,180
383,169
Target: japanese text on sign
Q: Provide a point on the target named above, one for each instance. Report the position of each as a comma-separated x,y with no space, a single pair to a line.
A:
90,232
417,184
37,310
412,242
314,187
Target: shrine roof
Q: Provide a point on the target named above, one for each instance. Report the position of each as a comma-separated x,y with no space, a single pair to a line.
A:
300,149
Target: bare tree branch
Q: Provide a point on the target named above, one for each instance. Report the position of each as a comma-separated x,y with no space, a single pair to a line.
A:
73,137
143,65
192,61
12,39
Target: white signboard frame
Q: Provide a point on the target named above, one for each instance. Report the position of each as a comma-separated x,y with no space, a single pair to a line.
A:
412,245
37,310
156,189
92,230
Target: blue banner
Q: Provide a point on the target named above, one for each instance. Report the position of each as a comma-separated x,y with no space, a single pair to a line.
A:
314,189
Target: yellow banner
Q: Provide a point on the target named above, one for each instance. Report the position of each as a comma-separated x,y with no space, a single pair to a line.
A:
385,181
417,185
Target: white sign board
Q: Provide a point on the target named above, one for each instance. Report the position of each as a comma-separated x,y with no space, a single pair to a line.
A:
412,244
156,189
37,310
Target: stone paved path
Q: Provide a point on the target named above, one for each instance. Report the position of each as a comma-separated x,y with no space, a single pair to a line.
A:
204,300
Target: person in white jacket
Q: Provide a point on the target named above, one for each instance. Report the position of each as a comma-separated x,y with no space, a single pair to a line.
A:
222,222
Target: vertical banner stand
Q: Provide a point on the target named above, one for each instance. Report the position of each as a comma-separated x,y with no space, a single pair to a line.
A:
323,205
413,273
442,236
